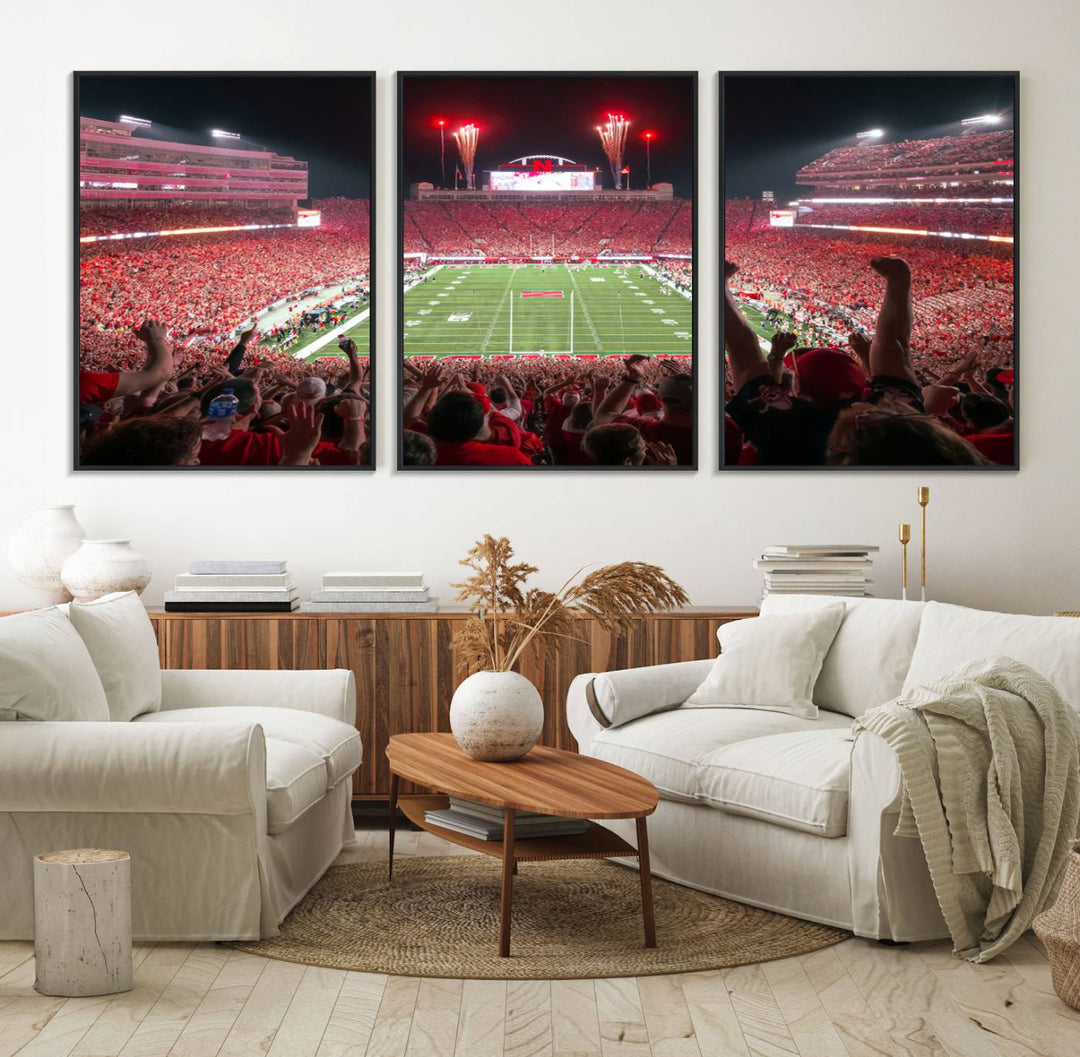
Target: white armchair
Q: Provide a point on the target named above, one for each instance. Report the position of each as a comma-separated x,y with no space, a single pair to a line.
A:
232,799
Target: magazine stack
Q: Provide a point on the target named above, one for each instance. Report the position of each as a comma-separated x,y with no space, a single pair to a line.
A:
485,822
234,587
371,593
817,569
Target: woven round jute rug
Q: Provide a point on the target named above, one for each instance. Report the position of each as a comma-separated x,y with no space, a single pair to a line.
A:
574,918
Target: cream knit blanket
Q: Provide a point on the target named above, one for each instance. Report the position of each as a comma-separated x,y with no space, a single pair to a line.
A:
990,761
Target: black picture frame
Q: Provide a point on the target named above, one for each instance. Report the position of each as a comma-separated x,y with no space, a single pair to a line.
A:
401,80
362,75
1012,76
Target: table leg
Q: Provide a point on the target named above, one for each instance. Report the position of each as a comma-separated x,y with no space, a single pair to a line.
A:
393,822
646,882
506,896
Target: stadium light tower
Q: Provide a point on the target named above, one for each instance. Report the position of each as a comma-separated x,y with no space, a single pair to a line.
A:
220,133
648,137
138,122
983,119
869,134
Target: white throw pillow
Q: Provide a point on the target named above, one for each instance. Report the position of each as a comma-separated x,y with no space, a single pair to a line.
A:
121,641
869,657
45,670
770,662
953,635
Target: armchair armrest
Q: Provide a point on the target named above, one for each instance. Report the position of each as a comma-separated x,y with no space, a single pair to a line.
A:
133,767
610,699
328,692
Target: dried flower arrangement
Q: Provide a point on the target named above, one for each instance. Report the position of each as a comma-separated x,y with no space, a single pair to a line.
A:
507,615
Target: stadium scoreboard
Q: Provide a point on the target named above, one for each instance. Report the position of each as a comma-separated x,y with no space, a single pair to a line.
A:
531,180
781,218
542,172
308,218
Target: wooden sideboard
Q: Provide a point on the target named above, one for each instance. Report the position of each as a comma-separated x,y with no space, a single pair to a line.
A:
406,667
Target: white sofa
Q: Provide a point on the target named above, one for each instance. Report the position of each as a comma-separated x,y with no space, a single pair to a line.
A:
231,790
794,814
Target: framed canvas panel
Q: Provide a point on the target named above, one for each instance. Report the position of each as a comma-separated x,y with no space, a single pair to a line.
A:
547,251
223,271
870,308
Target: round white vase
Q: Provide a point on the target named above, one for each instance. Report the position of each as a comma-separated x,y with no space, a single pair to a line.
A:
496,715
37,551
100,567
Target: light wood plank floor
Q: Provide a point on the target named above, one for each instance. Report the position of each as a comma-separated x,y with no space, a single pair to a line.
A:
857,999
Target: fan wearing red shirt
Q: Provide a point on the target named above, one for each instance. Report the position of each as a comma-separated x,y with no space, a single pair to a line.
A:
244,448
455,423
96,387
991,427
675,428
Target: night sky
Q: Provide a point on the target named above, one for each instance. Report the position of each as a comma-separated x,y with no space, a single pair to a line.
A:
323,120
774,125
521,115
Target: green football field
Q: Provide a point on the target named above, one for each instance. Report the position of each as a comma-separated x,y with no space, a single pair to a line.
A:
467,311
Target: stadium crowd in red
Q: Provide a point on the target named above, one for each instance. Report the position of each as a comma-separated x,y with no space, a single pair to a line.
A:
288,413
159,319
879,401
962,300
975,220
989,147
573,228
534,410
102,220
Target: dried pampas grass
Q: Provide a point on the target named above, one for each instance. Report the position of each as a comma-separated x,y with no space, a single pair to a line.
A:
507,615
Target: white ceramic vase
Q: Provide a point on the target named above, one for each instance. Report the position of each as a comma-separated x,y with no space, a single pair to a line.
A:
496,715
37,551
100,567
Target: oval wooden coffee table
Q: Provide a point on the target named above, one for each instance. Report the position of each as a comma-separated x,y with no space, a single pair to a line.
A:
548,781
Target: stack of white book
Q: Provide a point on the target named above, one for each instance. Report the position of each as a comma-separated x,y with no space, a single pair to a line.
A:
371,593
234,587
817,569
486,822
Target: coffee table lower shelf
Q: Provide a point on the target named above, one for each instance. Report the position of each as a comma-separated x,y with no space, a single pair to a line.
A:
596,842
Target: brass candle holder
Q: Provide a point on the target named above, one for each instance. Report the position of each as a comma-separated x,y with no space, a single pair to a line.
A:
923,497
904,535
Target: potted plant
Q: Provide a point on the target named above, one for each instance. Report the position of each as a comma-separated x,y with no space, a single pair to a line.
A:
496,713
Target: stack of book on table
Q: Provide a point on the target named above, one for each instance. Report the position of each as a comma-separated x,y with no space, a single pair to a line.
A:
371,593
234,587
817,569
486,822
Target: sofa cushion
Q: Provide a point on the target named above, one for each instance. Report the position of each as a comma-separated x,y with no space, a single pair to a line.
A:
953,635
120,639
870,656
669,748
295,780
336,743
618,697
799,780
45,670
770,662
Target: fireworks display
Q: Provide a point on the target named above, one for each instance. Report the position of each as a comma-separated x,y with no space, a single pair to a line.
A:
613,140
466,138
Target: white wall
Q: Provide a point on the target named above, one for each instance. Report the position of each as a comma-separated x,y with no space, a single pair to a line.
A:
996,540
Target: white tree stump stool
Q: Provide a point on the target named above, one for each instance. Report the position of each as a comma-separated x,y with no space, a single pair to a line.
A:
82,922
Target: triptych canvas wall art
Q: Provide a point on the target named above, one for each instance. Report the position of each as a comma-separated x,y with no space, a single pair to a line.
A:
546,258
547,308
870,303
224,291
